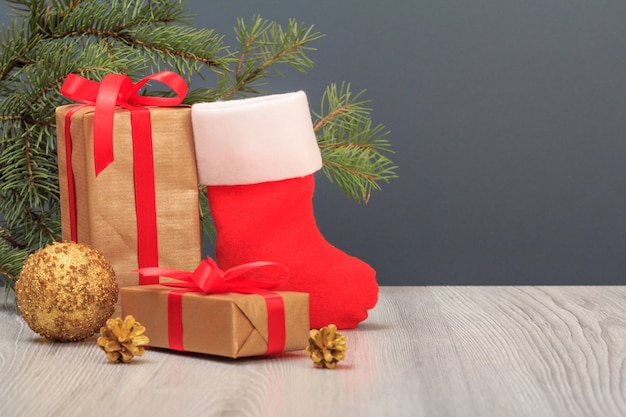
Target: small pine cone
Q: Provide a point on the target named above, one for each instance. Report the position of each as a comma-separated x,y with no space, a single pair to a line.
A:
122,339
326,347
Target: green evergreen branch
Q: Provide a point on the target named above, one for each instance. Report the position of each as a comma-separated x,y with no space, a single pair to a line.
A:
114,16
265,45
10,241
29,166
353,152
9,274
15,48
195,47
11,260
345,109
43,90
36,219
206,222
154,44
26,119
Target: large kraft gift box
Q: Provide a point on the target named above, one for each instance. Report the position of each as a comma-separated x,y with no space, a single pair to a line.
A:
106,216
229,324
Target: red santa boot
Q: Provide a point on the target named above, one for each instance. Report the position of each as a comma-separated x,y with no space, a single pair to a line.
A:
257,156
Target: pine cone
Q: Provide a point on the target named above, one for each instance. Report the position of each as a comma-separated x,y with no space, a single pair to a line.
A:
326,347
122,339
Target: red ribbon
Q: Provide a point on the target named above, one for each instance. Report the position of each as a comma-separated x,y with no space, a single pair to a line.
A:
119,90
208,278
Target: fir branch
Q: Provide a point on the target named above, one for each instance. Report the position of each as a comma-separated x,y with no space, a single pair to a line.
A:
8,274
149,27
14,47
45,89
339,105
35,218
200,95
29,166
289,46
206,222
154,44
4,235
114,16
26,119
11,261
197,47
330,116
265,45
10,258
353,151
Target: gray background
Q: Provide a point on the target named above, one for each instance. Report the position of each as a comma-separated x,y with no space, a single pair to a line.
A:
507,118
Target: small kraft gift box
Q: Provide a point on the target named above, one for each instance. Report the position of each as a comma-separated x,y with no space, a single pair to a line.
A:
219,313
127,173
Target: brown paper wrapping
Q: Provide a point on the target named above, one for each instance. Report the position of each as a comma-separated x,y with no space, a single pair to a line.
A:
229,324
105,206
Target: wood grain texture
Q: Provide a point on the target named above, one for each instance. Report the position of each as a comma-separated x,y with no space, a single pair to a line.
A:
542,351
424,351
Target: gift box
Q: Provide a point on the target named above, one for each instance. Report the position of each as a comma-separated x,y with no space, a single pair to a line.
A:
140,207
226,324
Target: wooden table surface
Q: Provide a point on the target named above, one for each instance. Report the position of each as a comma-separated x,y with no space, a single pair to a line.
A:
424,351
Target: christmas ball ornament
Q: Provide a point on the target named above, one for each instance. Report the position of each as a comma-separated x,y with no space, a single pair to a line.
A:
66,291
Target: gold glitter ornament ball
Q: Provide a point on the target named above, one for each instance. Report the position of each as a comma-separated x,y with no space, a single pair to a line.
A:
66,291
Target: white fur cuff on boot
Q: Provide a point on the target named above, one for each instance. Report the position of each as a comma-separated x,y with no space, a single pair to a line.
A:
255,140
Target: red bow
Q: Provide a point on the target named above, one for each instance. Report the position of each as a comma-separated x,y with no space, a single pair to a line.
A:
208,278
117,90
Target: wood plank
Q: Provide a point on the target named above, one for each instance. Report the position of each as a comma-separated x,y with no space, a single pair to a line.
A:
417,361
384,373
436,351
542,351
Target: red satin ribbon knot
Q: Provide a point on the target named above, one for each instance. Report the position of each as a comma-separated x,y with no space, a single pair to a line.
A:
208,278
117,90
